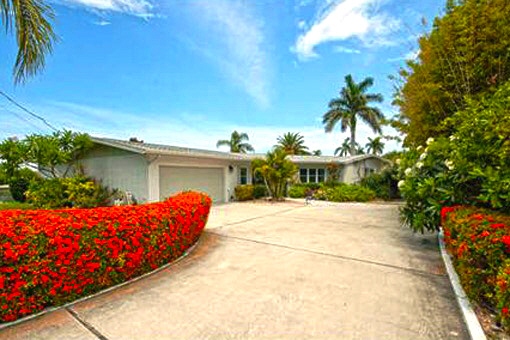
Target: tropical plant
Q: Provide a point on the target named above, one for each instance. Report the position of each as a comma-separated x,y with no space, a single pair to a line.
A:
344,149
276,170
375,146
292,144
237,142
317,153
353,103
54,155
463,56
34,34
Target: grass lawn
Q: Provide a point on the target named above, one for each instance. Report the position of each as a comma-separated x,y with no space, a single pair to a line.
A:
14,205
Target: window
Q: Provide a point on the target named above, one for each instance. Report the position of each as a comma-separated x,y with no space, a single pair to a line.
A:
312,175
243,176
321,174
303,175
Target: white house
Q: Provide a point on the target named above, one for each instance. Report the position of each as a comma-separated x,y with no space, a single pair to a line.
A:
152,172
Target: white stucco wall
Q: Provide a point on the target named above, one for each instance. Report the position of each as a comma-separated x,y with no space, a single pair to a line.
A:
118,169
354,172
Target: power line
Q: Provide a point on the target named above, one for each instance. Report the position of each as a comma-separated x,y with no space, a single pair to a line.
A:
28,111
4,108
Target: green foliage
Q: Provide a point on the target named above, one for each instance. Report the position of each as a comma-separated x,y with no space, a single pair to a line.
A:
19,183
53,154
237,143
375,146
333,170
292,144
384,183
353,103
472,166
32,23
276,170
342,192
15,205
259,191
465,55
77,192
297,191
244,192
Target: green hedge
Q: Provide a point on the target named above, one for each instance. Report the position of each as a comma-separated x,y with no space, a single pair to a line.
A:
334,192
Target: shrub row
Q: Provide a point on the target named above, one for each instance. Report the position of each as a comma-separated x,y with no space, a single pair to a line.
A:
337,192
479,243
51,257
248,192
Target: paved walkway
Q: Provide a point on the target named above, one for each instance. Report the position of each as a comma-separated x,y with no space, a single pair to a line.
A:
330,271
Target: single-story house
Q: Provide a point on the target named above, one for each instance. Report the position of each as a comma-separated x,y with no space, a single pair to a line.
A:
152,172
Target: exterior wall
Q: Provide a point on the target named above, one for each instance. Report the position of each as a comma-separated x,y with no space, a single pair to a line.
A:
354,172
119,169
230,178
310,166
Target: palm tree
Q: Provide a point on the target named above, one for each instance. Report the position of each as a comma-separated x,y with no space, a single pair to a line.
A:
352,104
237,142
34,34
292,144
317,153
375,146
344,149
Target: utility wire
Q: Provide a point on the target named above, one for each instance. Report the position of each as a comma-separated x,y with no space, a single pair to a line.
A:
4,108
28,111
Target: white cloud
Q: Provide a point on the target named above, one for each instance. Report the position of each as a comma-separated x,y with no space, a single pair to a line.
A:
411,55
346,19
234,40
102,23
342,49
182,129
140,8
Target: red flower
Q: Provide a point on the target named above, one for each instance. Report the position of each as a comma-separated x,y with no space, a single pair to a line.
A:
504,311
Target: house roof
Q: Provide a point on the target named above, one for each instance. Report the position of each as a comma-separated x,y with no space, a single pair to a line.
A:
161,149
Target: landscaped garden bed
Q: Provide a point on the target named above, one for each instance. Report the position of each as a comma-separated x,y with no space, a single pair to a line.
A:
478,241
51,257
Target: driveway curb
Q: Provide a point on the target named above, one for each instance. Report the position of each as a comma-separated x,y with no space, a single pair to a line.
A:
474,328
104,291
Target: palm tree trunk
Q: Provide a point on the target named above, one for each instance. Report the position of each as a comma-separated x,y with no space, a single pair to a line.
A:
353,137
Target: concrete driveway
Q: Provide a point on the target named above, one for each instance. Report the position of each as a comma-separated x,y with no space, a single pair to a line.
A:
261,270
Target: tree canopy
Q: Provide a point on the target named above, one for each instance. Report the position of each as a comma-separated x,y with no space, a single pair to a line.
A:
31,20
237,143
467,54
292,144
353,103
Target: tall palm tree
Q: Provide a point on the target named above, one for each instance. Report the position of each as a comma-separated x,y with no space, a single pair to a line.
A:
292,144
352,104
316,153
344,149
375,146
236,143
34,34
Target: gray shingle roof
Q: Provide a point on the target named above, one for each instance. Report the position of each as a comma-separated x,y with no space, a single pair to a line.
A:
161,149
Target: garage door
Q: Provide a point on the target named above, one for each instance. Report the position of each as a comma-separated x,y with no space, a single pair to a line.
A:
176,179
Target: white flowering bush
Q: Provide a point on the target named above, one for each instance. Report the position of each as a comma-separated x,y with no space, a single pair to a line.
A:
470,167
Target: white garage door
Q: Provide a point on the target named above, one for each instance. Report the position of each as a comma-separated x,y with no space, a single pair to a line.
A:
176,179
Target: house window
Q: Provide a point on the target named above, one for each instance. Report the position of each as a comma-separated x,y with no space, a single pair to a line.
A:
303,175
243,176
312,175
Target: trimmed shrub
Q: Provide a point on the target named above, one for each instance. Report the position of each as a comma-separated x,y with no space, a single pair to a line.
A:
297,191
76,192
51,257
384,184
342,192
20,182
244,192
259,191
479,243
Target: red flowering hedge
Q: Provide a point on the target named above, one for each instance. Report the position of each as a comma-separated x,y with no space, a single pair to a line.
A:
50,257
479,242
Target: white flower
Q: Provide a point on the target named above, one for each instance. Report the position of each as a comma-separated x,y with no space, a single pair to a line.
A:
408,171
452,138
430,140
401,183
397,161
419,165
419,148
449,164
423,156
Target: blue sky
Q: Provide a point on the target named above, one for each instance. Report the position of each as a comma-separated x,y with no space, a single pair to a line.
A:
190,72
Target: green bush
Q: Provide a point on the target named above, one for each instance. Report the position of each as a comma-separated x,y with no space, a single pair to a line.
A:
19,183
259,191
343,192
77,192
384,184
244,192
12,205
297,191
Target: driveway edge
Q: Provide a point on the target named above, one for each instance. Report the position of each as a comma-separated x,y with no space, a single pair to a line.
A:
107,290
474,328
